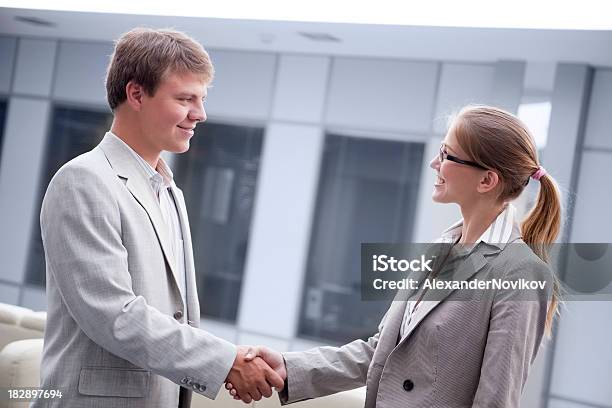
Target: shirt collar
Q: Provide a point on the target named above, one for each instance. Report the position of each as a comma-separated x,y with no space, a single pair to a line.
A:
164,171
161,176
498,233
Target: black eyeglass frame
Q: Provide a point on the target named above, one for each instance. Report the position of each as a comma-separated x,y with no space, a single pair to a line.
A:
445,156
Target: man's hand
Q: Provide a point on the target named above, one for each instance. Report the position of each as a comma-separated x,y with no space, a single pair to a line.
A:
273,358
251,378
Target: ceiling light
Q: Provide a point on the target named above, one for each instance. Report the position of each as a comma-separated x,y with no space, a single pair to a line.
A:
322,37
35,21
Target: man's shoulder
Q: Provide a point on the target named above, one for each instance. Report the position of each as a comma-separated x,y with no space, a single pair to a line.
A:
88,172
87,165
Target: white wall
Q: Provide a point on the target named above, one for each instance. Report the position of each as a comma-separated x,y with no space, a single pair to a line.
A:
582,363
22,157
81,69
389,95
8,46
280,234
243,84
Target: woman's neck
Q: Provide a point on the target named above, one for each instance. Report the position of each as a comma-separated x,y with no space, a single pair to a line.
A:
476,220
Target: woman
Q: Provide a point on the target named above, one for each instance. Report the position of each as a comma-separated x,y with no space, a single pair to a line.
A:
448,352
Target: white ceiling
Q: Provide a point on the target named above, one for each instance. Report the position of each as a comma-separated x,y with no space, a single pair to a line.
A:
405,42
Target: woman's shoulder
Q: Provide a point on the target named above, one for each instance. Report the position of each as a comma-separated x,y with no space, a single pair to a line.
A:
520,274
517,259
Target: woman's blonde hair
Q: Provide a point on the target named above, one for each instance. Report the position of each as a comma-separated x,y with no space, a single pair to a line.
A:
498,140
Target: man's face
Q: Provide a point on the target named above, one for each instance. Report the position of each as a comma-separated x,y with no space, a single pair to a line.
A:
169,117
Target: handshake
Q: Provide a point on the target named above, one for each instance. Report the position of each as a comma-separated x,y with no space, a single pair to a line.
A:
255,371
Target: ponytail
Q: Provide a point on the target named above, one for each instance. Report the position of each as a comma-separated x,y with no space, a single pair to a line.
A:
540,229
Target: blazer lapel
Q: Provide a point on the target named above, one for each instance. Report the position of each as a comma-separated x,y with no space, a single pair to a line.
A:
141,192
123,163
458,269
193,307
389,332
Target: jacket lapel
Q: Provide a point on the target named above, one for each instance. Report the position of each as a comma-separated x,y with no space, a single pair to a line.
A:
458,268
390,332
193,306
124,164
391,326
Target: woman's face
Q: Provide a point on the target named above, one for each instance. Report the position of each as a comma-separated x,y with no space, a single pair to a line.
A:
456,183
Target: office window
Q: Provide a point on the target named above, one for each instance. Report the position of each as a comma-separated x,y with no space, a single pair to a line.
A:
367,193
534,111
218,176
3,108
536,115
73,131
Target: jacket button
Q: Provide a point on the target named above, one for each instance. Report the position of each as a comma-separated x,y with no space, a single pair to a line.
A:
178,315
183,380
202,388
408,385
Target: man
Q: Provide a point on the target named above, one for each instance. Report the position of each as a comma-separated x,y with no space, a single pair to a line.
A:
123,313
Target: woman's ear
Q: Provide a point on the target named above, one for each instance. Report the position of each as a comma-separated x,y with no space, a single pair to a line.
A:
134,93
488,182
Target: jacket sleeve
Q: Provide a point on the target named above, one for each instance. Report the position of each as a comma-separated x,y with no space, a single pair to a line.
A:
516,329
86,260
326,370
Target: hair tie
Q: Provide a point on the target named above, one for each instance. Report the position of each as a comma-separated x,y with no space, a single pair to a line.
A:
540,172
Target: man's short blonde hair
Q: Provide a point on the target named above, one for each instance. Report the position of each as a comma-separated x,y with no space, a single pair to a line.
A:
145,55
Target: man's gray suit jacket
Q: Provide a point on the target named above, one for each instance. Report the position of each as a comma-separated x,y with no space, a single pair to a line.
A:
118,333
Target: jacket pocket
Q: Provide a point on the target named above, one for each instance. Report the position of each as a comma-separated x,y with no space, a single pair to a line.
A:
114,382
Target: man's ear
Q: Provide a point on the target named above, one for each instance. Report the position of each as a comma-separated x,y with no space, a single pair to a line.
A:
134,93
488,182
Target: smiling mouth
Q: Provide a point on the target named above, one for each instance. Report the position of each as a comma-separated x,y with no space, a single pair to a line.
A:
439,181
186,128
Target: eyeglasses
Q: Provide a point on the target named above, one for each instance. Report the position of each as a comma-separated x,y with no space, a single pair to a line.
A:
445,156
